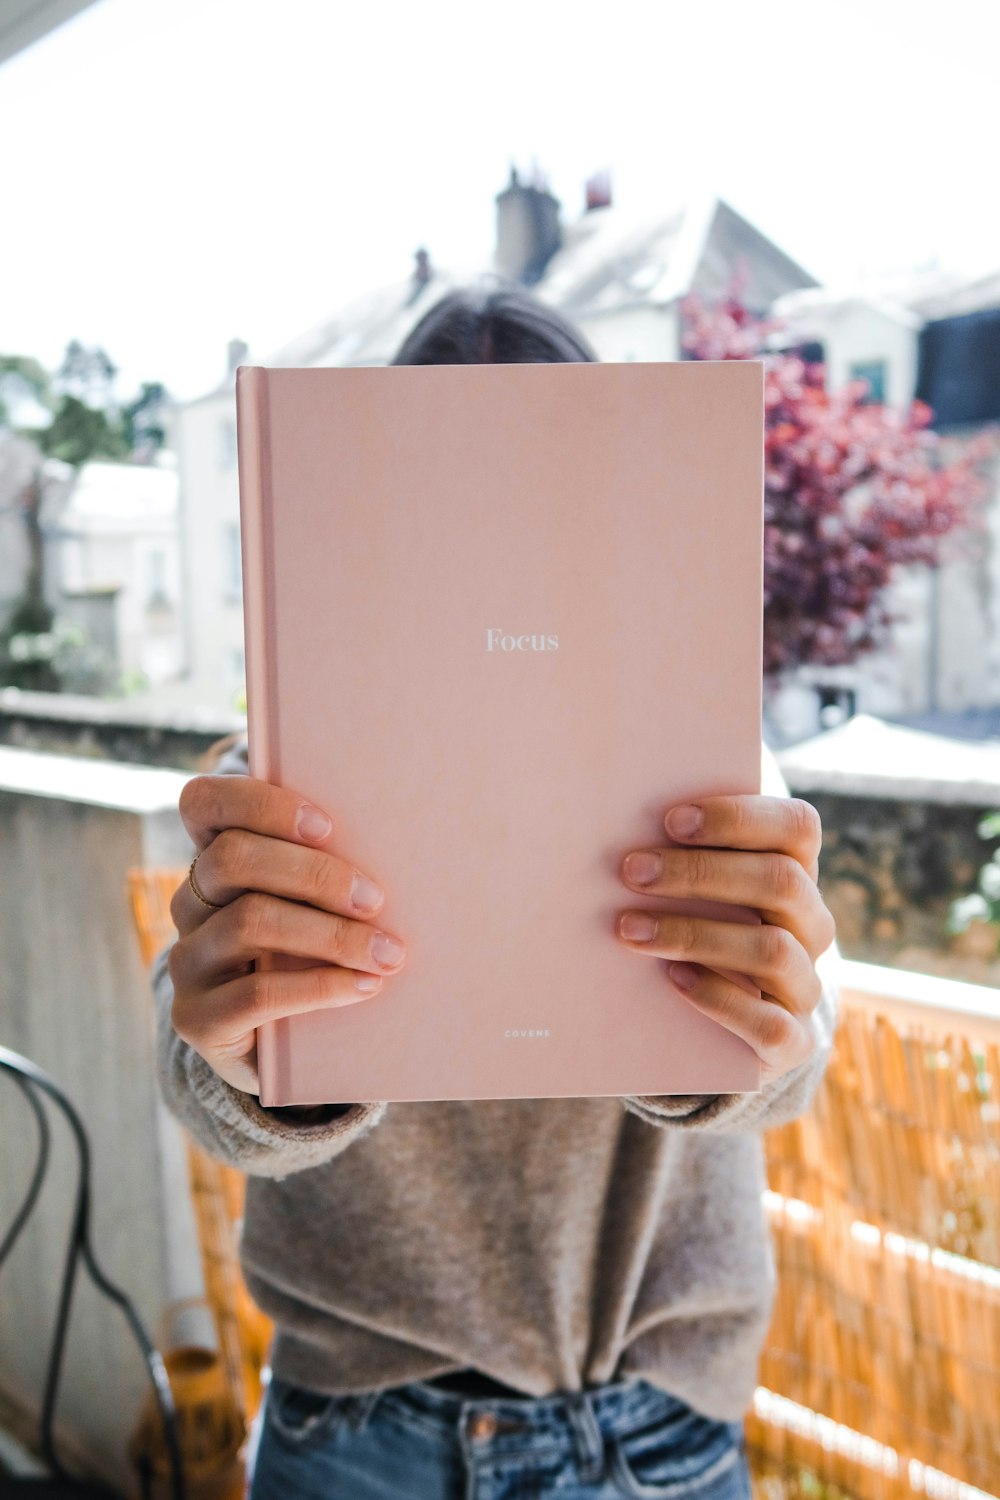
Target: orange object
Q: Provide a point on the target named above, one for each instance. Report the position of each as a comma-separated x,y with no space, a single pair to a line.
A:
242,1330
210,1427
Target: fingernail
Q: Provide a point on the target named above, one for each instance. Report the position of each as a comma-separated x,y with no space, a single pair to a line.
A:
638,925
312,823
642,867
684,821
386,949
683,975
367,982
364,892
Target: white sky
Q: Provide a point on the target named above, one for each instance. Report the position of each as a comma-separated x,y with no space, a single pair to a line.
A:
179,172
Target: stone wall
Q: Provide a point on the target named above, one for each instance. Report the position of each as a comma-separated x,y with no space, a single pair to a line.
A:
109,729
890,869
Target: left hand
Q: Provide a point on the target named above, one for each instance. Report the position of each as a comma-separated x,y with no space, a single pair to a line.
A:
761,852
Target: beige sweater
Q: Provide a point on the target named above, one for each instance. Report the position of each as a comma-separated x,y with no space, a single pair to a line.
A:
550,1243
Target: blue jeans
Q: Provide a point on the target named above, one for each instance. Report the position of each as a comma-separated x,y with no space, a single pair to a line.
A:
419,1442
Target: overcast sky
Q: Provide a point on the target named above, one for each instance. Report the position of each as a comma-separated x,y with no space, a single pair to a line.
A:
179,172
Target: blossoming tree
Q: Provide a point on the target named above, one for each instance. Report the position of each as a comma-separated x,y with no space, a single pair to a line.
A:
853,492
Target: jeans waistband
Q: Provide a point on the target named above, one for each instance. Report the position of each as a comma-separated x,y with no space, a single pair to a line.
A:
581,1419
500,1429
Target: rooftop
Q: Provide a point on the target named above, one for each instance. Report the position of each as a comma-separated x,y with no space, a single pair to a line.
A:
869,757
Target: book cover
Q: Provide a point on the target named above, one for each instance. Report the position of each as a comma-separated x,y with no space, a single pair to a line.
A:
498,619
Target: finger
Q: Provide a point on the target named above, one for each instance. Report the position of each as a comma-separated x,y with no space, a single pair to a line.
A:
237,860
223,1020
775,884
780,1039
256,923
788,825
770,956
186,911
207,804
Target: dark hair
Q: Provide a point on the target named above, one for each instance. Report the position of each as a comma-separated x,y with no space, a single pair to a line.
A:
483,325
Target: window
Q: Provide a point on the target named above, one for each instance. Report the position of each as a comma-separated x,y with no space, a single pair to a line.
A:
874,372
156,563
959,368
232,577
835,705
811,352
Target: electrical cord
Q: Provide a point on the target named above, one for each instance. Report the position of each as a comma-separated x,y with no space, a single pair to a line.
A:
29,1077
37,1177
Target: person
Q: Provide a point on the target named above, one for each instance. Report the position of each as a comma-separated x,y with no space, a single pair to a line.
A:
510,1297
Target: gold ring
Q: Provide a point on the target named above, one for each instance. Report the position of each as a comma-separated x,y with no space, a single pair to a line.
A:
191,882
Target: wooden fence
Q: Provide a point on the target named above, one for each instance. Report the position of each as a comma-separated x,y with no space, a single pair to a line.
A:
880,1377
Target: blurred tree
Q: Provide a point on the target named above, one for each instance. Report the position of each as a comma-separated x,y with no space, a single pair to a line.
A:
79,432
853,491
87,374
21,378
142,425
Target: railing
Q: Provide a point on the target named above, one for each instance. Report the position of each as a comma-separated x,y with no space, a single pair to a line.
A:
880,1375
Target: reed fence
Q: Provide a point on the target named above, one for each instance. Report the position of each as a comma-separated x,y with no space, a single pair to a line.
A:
880,1376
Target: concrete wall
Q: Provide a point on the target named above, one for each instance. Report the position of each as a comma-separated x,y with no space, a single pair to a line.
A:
75,998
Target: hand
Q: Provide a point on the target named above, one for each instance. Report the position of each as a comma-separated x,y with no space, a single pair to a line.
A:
266,858
761,852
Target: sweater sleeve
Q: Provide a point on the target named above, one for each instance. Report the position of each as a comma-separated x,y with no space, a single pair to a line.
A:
784,1098
230,1124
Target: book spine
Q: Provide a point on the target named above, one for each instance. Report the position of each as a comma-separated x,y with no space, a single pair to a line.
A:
263,762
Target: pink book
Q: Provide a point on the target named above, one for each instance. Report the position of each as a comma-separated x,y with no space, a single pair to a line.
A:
498,619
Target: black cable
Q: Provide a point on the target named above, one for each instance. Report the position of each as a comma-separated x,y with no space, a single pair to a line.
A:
38,1176
29,1075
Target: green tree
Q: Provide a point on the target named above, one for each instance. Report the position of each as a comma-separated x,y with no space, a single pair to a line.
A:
79,432
21,376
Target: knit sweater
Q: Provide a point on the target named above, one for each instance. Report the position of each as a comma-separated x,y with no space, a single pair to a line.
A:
553,1244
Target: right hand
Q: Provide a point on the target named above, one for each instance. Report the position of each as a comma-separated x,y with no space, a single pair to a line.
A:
282,890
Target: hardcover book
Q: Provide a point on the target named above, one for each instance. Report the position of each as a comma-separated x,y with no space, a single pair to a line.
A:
499,618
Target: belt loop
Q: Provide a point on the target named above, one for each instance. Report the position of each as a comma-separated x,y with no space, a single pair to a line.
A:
587,1434
362,1407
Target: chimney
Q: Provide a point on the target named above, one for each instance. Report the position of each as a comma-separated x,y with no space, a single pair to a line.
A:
598,190
421,275
236,354
528,229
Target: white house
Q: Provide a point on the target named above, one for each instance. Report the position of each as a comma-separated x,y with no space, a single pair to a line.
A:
113,563
205,436
22,464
